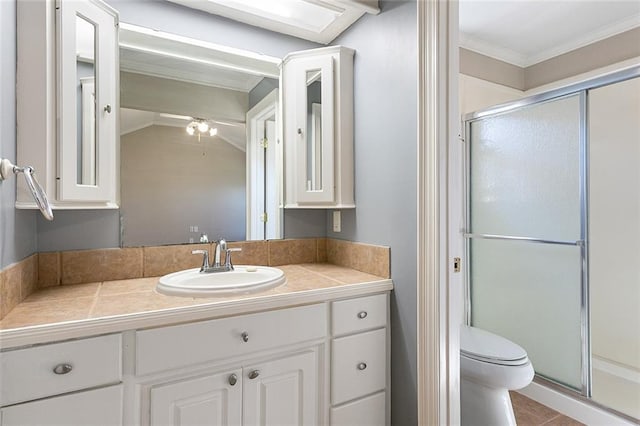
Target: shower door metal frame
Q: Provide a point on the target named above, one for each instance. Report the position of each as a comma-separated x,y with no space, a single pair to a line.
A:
581,89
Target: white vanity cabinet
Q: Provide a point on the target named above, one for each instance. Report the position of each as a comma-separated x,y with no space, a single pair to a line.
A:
69,383
318,128
325,363
67,101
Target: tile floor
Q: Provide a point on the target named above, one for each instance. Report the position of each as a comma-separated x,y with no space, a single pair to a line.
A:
531,413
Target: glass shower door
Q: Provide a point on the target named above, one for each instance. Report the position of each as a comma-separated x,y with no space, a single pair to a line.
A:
526,233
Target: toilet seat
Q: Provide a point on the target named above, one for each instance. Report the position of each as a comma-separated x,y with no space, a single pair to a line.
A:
483,346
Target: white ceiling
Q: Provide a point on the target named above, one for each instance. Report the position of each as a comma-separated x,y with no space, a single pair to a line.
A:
319,21
525,32
159,54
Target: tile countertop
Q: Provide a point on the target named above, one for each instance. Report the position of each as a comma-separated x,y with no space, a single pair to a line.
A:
74,311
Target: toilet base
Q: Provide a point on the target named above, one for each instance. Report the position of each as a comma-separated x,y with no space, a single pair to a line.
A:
484,406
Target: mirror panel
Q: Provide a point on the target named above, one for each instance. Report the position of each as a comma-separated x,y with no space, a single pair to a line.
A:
193,179
314,130
86,100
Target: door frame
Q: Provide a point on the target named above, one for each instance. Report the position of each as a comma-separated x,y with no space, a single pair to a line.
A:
268,107
439,288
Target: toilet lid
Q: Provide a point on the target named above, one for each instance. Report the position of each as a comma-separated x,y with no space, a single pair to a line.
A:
484,346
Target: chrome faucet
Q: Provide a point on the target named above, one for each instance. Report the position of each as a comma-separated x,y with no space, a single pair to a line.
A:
205,259
221,245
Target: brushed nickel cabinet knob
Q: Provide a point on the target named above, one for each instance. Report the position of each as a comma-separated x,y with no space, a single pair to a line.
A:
62,368
233,379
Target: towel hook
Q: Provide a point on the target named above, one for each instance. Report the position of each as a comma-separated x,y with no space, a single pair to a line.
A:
7,169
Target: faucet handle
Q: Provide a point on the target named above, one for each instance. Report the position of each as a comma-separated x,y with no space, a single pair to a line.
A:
205,259
227,261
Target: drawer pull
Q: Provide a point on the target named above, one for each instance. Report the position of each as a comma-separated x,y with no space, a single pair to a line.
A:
362,314
62,368
362,366
233,379
245,336
254,374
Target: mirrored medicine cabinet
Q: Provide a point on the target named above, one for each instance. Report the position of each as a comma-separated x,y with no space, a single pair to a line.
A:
82,79
318,128
67,101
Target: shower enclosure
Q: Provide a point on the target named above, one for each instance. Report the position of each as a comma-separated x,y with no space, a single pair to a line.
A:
553,198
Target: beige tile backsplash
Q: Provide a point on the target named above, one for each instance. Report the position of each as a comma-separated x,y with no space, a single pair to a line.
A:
86,266
361,257
286,252
253,252
17,282
49,267
163,260
45,270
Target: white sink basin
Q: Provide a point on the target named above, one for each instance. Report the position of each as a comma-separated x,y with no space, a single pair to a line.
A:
244,279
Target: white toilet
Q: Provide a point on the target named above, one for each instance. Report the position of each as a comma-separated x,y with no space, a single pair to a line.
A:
490,366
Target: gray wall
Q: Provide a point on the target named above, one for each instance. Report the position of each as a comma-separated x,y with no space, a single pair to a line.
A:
17,227
386,172
261,90
160,200
599,54
159,94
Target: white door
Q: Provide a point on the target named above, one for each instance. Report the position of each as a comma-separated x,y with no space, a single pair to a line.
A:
100,407
211,400
264,174
282,392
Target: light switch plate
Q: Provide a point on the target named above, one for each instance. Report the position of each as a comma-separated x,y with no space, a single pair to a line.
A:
337,225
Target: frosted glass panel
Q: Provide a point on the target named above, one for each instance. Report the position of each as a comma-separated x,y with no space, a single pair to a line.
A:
530,294
525,172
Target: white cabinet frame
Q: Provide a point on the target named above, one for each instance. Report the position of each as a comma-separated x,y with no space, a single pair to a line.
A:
336,170
46,113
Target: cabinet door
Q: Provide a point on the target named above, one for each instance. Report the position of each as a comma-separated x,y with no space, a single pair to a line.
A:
100,407
282,392
212,400
88,63
311,131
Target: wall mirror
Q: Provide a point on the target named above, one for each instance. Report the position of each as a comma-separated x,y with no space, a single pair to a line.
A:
193,164
86,101
314,130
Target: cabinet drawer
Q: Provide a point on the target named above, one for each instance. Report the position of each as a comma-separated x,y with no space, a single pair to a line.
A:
28,374
187,344
99,407
354,315
358,365
369,411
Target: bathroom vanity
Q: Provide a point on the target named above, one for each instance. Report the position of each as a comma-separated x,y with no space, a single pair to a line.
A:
314,356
